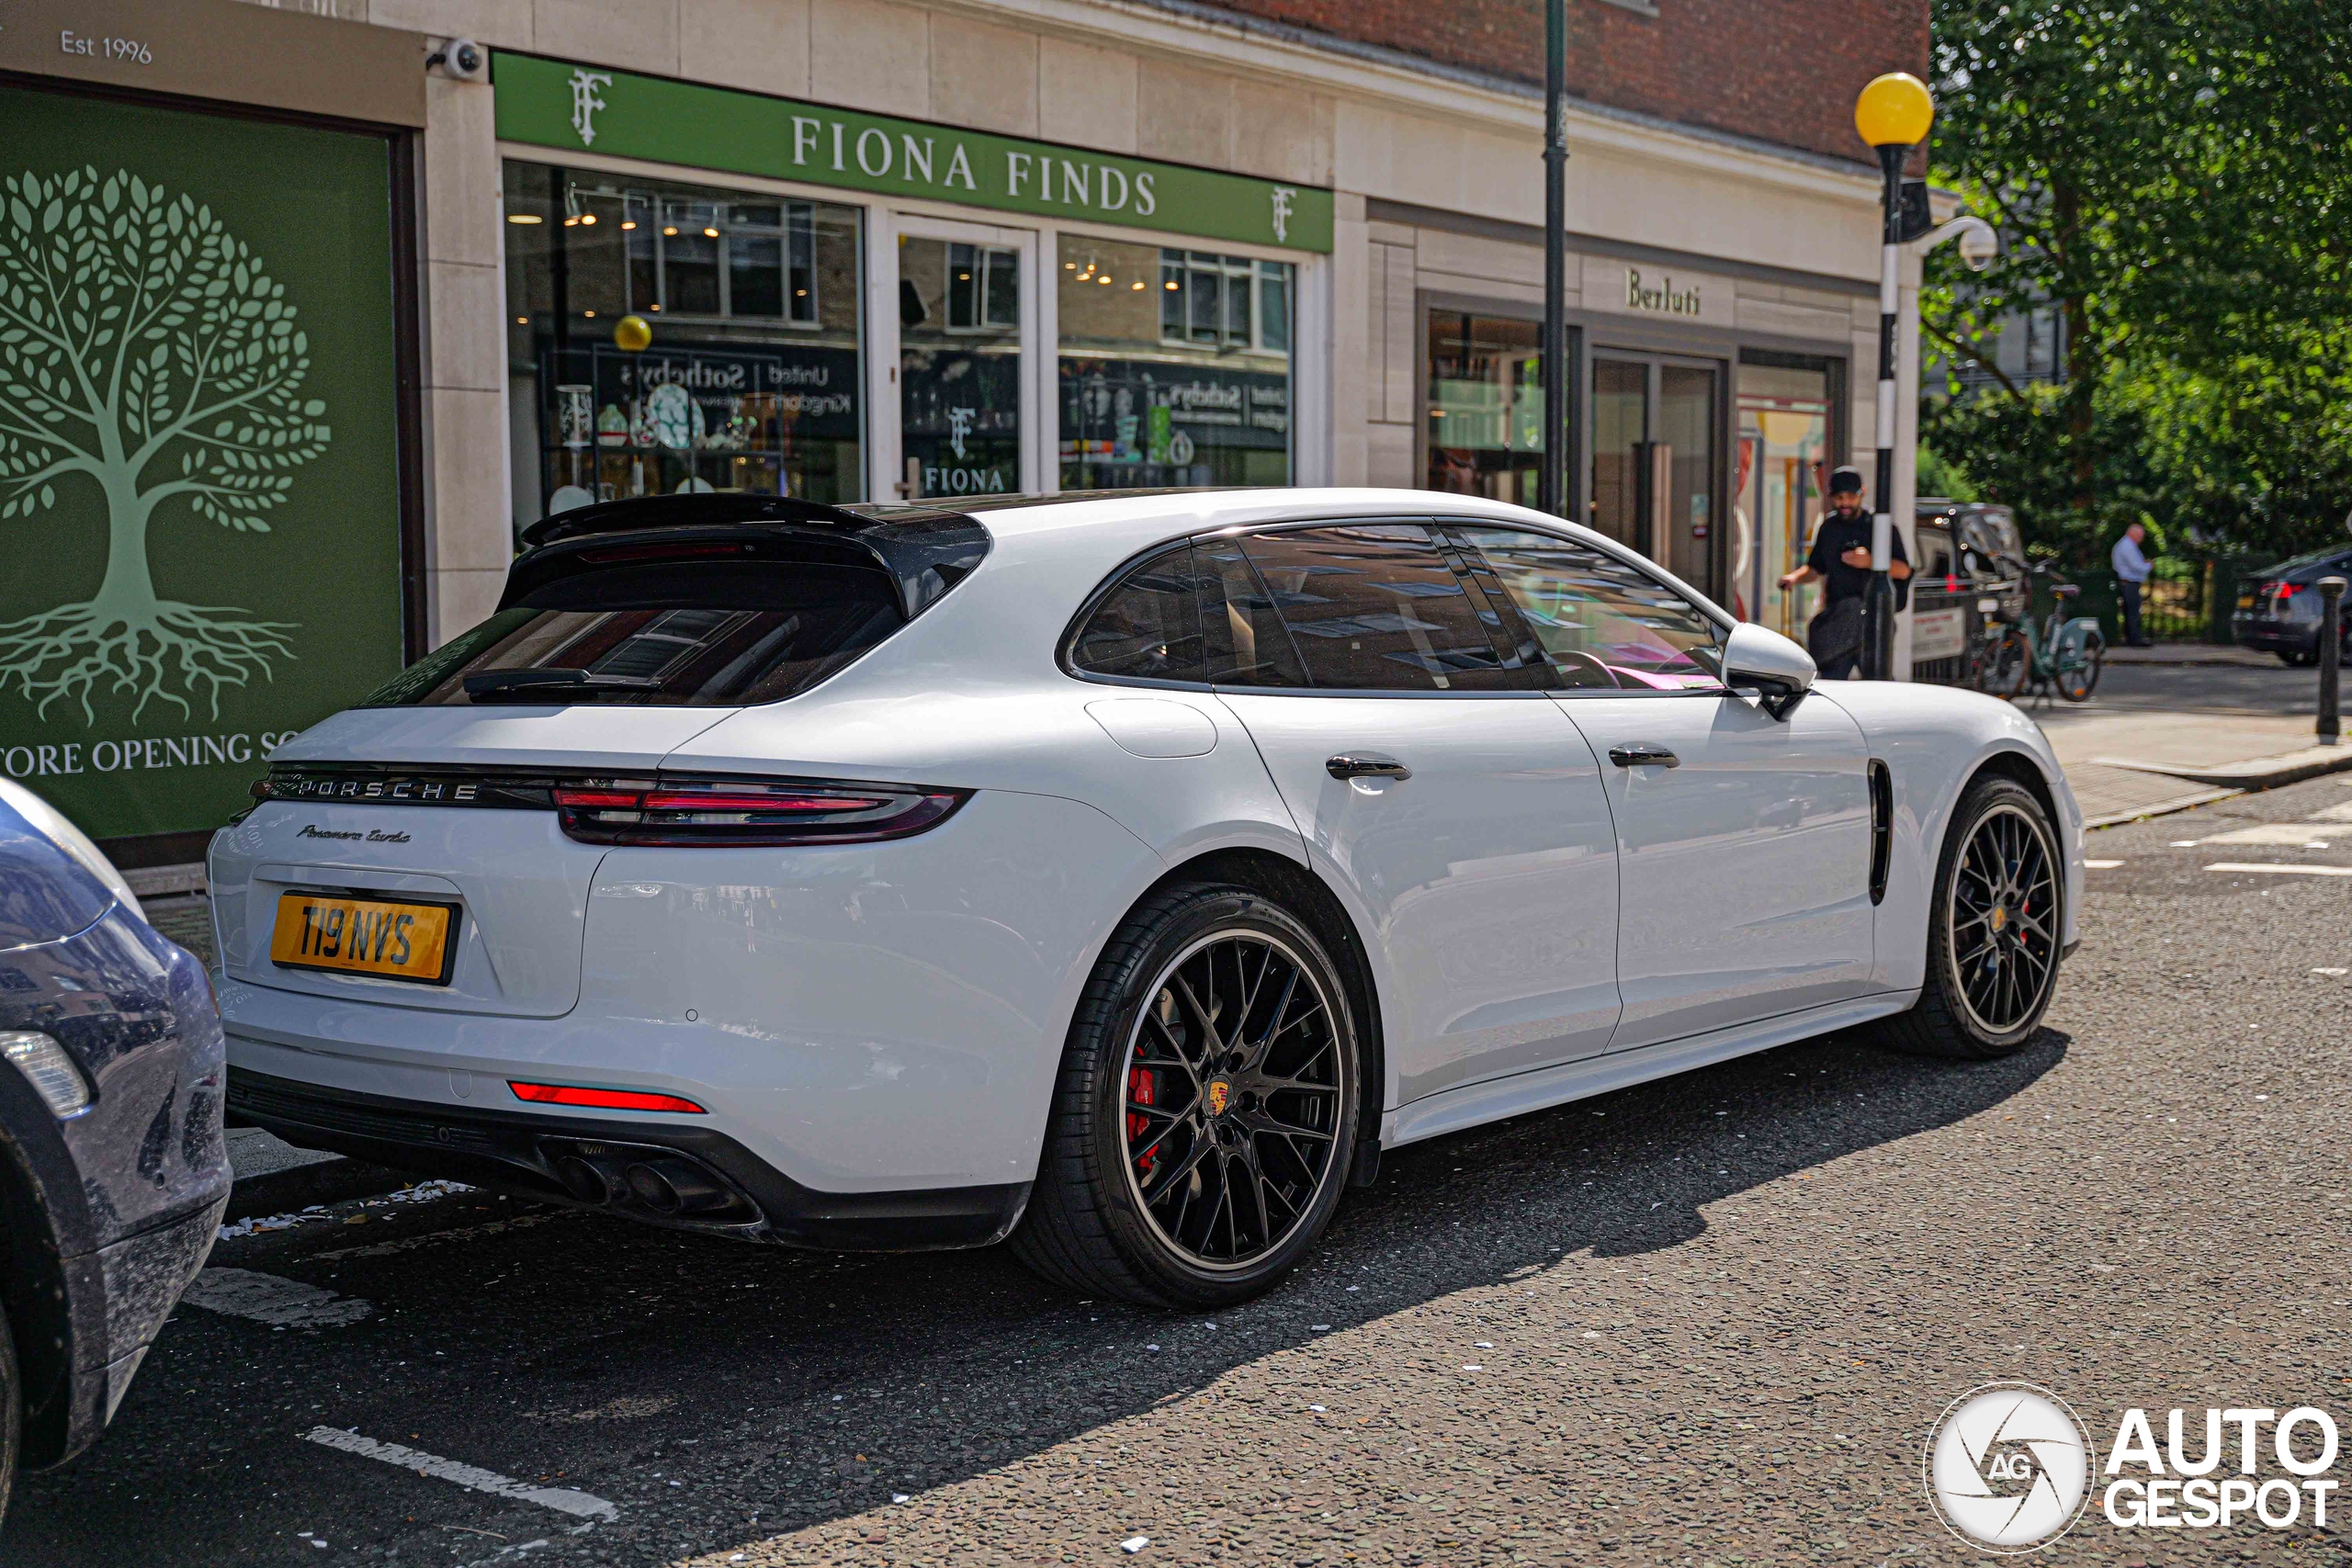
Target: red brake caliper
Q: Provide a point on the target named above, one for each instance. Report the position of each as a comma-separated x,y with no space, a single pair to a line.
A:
1143,1088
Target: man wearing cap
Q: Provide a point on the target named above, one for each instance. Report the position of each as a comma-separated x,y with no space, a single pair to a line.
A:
1840,561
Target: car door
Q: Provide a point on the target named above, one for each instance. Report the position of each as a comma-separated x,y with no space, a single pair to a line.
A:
1744,841
1462,819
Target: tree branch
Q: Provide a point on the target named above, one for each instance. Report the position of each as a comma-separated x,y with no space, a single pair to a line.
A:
1953,341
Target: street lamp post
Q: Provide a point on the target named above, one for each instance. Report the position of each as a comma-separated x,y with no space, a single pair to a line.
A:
1894,115
1550,478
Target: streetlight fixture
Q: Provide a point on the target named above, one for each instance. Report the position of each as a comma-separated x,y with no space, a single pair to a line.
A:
1894,115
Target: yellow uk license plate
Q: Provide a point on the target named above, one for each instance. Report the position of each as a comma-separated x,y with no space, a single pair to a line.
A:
398,939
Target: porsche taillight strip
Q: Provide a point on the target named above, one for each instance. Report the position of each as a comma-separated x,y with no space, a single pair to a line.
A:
677,809
733,811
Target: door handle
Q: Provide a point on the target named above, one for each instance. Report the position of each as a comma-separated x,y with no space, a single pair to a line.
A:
1642,755
1349,766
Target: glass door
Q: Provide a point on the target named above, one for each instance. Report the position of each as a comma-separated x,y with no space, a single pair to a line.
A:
1654,468
1621,437
1783,448
965,420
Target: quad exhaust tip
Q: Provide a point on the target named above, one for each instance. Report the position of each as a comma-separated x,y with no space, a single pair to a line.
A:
669,1185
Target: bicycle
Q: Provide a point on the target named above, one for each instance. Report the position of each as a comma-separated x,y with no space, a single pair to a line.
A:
2066,656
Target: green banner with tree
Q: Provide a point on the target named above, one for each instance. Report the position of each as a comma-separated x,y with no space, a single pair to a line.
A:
199,469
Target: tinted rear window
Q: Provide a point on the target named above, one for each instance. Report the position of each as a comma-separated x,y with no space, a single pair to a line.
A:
698,634
1147,626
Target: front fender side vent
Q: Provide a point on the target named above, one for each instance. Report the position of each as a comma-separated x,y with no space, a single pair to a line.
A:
1882,828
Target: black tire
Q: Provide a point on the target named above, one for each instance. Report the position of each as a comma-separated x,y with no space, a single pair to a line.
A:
1993,949
2008,663
12,1413
1106,1216
2076,683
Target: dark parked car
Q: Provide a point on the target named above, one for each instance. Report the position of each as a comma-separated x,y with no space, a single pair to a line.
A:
113,1171
1965,553
2281,614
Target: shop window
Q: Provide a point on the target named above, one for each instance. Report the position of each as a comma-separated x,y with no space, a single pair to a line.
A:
1785,405
1175,367
983,290
1224,302
1486,405
751,381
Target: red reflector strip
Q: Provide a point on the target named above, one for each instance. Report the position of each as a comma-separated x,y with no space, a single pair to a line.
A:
602,1099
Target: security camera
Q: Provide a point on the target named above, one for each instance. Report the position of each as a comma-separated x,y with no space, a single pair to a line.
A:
461,57
1978,245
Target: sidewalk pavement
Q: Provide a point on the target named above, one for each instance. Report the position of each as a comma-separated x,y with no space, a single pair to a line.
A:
2192,653
2125,765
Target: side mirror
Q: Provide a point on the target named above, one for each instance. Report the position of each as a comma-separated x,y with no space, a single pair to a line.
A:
1780,671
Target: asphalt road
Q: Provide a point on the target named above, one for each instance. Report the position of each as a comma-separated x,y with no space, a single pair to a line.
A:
1707,1321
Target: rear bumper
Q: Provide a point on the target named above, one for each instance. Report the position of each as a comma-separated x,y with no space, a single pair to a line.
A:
2275,636
684,1177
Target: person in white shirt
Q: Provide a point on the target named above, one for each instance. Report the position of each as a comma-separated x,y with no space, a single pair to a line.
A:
2132,582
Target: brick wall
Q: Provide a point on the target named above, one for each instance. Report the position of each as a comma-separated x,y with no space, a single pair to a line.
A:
1783,70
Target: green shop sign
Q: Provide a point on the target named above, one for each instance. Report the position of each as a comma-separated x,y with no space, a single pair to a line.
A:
199,491
553,103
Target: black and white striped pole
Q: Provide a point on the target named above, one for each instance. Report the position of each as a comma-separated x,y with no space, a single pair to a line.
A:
1894,115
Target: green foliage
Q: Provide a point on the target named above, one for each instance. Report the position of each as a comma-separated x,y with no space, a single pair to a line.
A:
2176,179
1941,476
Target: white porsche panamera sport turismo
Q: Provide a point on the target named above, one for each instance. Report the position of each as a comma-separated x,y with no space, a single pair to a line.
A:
1117,873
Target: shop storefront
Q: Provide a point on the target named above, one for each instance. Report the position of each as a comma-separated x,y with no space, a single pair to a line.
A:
1698,434
208,483
711,290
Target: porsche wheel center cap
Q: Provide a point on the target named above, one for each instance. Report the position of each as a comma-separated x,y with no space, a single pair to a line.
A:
2001,918
1218,1093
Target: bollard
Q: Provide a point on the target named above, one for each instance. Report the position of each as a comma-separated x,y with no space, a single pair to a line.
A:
2331,656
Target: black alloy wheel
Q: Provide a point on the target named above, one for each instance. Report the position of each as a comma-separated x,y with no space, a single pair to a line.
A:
1207,1108
1995,930
1234,1078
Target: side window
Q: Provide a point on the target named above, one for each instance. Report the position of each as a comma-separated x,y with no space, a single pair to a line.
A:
1603,623
1378,607
1148,625
1242,639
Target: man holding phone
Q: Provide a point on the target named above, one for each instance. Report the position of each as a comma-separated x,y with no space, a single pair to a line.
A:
1840,561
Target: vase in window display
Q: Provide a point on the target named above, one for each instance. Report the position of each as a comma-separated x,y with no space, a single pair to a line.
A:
575,414
612,426
675,417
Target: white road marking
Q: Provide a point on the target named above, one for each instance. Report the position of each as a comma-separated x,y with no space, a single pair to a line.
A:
266,1298
2101,865
2304,834
2290,869
563,1499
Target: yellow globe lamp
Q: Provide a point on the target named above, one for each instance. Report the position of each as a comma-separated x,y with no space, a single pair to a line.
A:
632,334
1894,110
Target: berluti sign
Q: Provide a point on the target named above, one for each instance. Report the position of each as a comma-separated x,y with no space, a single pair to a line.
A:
581,108
1662,293
222,50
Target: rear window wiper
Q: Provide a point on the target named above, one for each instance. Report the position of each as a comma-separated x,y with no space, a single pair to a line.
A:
523,684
